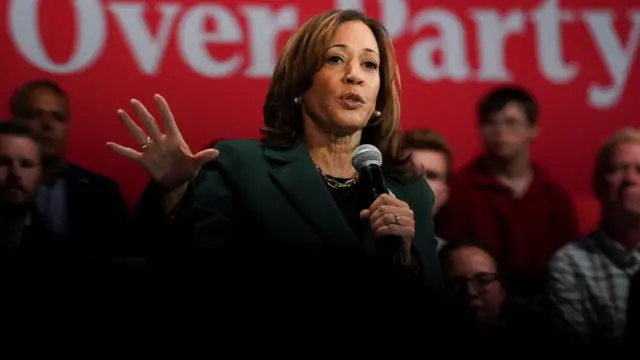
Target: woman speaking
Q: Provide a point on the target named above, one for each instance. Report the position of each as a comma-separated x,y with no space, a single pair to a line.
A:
288,214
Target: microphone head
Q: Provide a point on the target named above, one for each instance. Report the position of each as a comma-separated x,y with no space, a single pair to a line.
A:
365,155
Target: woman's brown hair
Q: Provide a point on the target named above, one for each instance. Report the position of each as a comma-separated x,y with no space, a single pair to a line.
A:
303,56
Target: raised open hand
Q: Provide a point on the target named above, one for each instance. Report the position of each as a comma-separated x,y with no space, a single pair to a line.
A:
165,157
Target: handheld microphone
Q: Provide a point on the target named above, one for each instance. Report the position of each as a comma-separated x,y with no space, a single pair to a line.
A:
367,160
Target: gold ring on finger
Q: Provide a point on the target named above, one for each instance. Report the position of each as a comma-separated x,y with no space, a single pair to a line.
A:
397,219
146,143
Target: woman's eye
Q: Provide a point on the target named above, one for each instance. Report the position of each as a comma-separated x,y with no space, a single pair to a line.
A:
371,65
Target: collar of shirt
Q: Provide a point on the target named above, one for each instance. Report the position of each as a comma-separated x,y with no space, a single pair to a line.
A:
625,259
478,173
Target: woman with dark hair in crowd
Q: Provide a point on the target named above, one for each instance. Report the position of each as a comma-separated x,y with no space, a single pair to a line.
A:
288,214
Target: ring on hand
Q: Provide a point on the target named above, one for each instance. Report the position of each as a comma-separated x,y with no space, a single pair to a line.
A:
146,143
397,219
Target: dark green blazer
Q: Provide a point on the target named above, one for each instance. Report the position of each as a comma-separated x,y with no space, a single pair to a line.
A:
271,207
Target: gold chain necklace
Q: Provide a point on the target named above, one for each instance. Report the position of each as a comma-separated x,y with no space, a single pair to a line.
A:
335,183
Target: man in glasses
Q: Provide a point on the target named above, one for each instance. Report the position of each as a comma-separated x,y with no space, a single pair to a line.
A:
506,200
471,276
488,315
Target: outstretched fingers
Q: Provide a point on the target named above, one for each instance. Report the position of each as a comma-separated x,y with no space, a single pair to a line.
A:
138,134
124,151
168,121
147,120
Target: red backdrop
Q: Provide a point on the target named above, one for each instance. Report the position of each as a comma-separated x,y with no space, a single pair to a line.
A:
212,61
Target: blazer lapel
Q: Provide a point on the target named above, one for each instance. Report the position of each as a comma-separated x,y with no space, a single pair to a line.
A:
296,174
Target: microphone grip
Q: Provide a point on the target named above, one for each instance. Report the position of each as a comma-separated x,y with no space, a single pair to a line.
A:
372,175
375,186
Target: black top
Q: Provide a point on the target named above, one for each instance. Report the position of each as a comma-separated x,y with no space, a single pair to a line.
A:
351,202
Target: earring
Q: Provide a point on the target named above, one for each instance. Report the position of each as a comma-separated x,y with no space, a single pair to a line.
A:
297,100
377,114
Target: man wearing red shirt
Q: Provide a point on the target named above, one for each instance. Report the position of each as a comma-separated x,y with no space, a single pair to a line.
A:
504,200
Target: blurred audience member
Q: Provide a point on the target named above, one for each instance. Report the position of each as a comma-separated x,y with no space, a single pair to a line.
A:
85,207
432,158
489,315
506,199
589,279
21,229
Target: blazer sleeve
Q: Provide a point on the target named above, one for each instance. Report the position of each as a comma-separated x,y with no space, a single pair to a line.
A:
211,212
202,224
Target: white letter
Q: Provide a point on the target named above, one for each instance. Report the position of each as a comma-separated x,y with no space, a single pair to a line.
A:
349,4
393,13
450,42
493,32
394,16
25,33
194,41
147,51
617,57
264,28
549,18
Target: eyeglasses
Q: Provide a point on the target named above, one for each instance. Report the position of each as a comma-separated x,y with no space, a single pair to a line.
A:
480,283
508,124
39,113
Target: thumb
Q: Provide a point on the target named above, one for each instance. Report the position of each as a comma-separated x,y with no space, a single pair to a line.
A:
364,214
205,156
